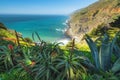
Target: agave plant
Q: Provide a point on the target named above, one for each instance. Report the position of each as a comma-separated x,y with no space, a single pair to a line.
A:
102,56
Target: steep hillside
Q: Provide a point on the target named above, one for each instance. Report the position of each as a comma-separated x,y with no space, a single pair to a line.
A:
5,32
7,35
103,13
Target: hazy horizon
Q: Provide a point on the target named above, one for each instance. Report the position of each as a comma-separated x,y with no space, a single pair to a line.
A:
42,7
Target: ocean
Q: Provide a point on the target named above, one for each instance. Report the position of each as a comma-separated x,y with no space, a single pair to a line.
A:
49,27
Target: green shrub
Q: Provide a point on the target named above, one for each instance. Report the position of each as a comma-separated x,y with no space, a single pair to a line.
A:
28,40
14,75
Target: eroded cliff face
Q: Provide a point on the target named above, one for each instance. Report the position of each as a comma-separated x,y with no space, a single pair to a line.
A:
85,20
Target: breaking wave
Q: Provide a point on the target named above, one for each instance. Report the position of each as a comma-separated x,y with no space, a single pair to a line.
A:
61,30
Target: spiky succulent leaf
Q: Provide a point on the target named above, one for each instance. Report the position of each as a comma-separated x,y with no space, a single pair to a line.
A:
89,66
105,54
116,51
116,48
116,66
94,51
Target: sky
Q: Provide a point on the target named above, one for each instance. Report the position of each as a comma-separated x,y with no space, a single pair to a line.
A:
42,6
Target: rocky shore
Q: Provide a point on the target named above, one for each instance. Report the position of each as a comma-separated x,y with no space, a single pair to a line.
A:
70,34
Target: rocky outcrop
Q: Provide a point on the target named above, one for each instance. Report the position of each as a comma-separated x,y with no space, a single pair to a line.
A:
85,20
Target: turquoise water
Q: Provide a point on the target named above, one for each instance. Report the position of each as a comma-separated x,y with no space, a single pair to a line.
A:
49,27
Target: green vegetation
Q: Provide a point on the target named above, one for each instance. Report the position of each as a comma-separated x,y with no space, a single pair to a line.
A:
95,19
28,40
15,75
96,9
95,58
6,33
49,61
8,36
2,26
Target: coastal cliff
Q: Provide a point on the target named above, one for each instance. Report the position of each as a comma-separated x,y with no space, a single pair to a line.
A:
6,32
102,12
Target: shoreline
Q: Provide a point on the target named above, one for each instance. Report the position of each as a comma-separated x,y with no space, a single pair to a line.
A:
68,31
65,41
70,34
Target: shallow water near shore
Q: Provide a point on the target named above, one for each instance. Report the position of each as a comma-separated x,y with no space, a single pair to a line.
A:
49,27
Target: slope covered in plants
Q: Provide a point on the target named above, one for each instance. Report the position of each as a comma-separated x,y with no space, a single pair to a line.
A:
103,14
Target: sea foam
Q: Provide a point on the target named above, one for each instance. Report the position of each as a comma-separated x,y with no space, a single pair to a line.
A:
64,41
61,30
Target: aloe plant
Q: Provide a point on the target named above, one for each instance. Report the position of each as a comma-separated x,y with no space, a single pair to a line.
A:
45,64
53,64
70,68
6,58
